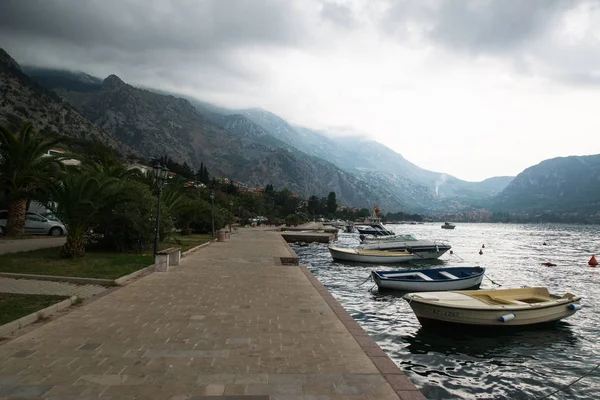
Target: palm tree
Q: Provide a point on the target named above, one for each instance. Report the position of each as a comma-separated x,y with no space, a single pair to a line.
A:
24,170
77,199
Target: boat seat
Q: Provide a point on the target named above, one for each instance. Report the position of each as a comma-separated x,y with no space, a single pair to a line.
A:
508,301
409,274
447,275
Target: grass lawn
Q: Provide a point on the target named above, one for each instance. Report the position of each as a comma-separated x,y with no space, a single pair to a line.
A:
95,264
186,242
15,306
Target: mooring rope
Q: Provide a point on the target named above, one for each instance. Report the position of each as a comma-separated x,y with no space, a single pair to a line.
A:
370,277
572,383
491,280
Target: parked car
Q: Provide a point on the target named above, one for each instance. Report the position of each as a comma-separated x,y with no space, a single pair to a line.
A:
36,224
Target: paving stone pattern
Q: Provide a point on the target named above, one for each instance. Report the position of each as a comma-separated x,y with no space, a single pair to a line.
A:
229,321
32,286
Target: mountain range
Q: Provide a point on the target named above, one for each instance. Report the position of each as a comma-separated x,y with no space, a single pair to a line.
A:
258,147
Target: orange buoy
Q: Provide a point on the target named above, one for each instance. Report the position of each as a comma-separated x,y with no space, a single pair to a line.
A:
544,243
593,262
483,246
480,252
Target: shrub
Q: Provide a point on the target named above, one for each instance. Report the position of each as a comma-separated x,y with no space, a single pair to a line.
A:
129,227
293,220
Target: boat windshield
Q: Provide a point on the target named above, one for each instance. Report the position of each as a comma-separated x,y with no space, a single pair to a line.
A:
406,238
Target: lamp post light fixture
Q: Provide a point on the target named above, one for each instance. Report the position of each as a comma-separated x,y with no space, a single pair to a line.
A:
230,208
160,176
212,201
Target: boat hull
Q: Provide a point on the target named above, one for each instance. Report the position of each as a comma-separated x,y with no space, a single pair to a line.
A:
430,315
348,255
423,249
428,286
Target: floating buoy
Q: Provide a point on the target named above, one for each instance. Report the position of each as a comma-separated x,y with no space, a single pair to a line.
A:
483,246
549,264
451,252
574,307
507,317
593,262
544,243
480,252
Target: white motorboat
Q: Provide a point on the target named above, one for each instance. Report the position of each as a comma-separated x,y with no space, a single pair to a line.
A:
424,249
522,307
370,256
374,226
429,280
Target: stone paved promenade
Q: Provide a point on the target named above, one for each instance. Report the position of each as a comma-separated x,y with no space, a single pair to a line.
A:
230,321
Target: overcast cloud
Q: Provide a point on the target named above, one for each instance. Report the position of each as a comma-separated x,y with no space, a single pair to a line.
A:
471,88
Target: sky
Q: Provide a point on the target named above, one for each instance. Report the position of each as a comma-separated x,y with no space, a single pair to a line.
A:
473,89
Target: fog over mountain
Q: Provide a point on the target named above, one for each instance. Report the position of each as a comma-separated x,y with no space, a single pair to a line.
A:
473,89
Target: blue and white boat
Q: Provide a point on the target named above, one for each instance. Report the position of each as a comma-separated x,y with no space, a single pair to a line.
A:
430,280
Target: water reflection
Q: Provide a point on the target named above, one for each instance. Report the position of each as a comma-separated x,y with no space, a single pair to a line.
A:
486,344
457,364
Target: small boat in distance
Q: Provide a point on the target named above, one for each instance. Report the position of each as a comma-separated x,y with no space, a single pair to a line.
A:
448,225
522,307
370,256
430,280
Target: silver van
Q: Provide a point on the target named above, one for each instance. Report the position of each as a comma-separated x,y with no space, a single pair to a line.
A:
36,224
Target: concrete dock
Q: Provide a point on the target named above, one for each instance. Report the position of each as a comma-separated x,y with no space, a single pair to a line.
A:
308,233
230,321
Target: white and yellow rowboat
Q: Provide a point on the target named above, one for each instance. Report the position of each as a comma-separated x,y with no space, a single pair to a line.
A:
370,256
522,307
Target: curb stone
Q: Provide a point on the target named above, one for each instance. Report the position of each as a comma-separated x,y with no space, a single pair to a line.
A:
124,280
22,322
57,278
193,249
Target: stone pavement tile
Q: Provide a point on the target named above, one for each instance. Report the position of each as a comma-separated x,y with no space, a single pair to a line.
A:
319,389
24,391
276,388
411,395
299,397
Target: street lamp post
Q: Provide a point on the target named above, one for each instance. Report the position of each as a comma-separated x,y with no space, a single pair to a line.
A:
212,201
160,175
230,207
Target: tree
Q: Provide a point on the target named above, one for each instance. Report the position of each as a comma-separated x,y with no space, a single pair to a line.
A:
77,198
331,203
313,205
24,170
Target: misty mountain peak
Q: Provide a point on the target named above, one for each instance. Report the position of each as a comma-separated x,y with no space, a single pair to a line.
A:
7,60
113,81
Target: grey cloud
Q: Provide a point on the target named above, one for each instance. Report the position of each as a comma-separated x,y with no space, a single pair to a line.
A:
339,14
139,25
151,42
490,26
517,31
474,26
